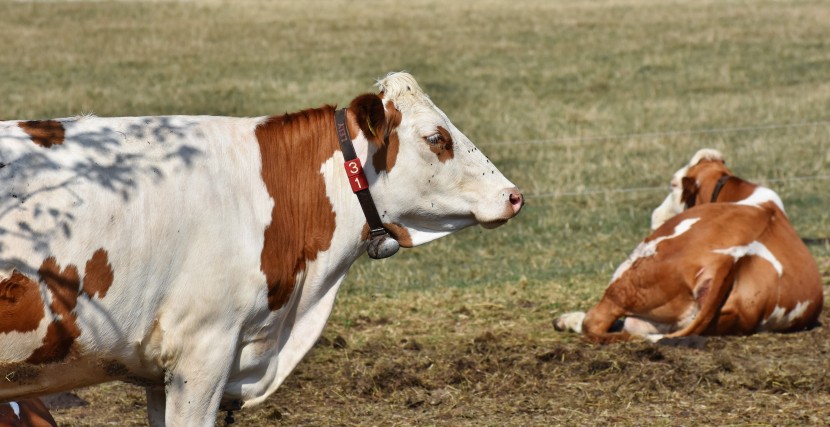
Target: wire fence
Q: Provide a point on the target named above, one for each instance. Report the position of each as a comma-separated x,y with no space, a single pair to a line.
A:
659,134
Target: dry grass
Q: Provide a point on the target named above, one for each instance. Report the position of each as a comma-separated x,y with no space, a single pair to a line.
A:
662,79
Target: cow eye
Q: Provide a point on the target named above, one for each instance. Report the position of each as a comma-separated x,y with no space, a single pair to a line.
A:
434,139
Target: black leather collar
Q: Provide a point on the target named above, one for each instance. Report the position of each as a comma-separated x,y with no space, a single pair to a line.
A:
381,244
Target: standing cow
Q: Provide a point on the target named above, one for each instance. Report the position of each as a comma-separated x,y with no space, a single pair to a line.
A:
723,259
200,256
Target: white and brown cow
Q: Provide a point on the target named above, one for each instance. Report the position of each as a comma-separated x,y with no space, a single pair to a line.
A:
199,257
26,413
737,267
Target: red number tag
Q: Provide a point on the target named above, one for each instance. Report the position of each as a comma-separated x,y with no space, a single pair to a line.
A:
356,177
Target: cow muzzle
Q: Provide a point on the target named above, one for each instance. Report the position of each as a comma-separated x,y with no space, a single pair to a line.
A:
515,202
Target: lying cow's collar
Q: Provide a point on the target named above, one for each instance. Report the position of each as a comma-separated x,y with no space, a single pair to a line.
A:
381,244
718,187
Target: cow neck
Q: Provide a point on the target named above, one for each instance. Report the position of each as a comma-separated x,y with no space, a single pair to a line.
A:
718,187
381,244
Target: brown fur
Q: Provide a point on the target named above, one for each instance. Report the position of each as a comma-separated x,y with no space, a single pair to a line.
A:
386,156
98,275
293,147
45,133
444,148
21,307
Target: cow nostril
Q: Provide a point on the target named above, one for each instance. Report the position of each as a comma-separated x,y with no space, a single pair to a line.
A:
516,200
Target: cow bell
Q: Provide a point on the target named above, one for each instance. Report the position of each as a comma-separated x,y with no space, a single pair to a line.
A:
382,246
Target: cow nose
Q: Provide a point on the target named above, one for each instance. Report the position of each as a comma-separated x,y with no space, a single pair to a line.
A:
516,200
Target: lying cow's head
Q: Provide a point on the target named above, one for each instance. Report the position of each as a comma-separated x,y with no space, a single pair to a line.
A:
426,177
690,183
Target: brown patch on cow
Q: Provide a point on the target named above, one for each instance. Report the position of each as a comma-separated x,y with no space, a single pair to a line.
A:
65,288
21,307
45,133
98,275
387,155
293,147
400,234
444,148
62,332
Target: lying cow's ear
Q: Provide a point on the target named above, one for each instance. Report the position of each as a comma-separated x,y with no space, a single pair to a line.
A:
370,116
690,190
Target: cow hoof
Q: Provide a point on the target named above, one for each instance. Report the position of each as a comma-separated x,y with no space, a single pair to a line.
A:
569,322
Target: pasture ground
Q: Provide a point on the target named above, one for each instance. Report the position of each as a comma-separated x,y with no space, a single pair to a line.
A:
589,106
463,358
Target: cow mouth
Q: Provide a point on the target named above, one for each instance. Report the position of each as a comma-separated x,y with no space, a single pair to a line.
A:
493,224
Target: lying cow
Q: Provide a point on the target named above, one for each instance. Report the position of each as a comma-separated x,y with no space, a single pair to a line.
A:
713,269
25,413
199,257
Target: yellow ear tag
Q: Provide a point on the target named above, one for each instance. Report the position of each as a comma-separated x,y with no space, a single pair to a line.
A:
371,129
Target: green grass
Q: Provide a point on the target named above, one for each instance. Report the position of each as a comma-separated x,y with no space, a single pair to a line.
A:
616,94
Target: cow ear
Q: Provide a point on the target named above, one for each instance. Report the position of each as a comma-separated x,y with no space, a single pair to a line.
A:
690,190
370,116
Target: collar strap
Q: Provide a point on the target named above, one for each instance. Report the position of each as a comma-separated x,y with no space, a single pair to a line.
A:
718,187
381,244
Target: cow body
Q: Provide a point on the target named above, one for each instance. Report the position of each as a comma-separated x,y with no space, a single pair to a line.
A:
732,267
200,256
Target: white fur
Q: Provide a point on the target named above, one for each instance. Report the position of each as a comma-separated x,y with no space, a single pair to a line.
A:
570,322
753,249
762,195
779,319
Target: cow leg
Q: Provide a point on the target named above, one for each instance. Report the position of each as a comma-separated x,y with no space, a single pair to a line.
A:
155,406
652,331
195,385
599,320
195,392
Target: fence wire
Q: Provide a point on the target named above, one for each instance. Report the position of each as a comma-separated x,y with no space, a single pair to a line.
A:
659,134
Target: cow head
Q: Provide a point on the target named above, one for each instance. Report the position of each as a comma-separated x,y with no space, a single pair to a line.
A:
691,184
426,177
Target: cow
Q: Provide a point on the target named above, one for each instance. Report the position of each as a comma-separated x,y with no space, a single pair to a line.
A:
26,413
199,256
735,267
706,179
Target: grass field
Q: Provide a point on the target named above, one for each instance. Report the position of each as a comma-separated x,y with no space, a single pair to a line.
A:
588,106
